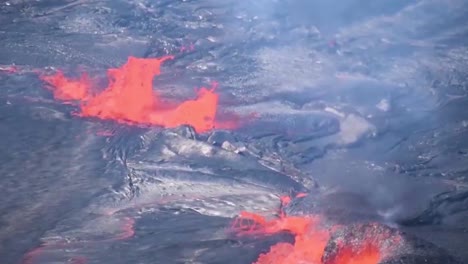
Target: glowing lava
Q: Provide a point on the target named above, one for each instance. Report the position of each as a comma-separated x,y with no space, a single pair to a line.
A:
309,245
65,89
130,98
366,254
312,241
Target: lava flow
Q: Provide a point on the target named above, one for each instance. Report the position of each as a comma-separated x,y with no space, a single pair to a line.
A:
130,98
314,243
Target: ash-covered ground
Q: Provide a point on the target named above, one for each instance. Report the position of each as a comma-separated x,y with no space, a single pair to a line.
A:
359,104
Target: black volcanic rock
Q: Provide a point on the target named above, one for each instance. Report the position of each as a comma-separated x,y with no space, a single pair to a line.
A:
394,246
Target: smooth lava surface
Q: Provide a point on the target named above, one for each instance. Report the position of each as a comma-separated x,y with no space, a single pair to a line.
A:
130,98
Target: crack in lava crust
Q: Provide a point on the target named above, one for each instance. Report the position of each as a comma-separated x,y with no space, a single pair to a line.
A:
130,98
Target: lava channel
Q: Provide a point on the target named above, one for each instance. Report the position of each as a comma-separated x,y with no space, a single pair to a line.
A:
130,98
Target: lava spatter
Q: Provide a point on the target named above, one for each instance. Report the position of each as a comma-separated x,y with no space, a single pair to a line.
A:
130,98
65,89
310,239
314,242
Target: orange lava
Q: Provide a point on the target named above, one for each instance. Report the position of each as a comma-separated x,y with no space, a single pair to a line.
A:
367,254
311,239
65,89
306,248
130,98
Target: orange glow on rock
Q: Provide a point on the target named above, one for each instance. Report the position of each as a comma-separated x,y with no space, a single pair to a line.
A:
366,254
130,98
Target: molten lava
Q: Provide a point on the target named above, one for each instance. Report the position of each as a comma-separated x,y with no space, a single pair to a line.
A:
312,240
65,89
366,254
130,98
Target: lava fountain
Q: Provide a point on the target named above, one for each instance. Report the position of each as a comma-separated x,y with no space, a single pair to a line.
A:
130,98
